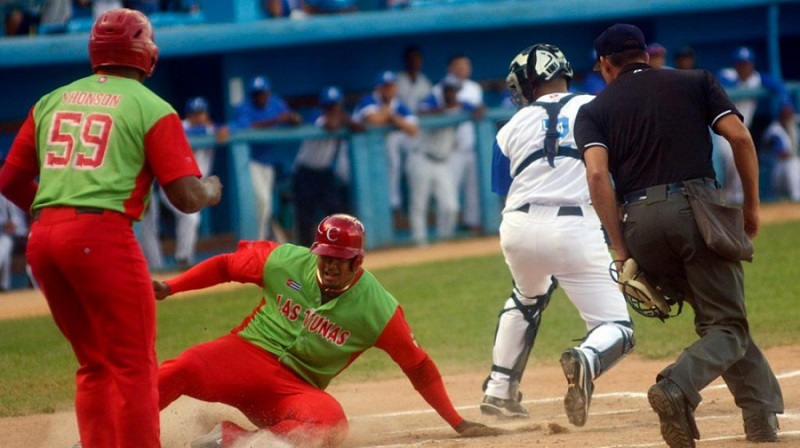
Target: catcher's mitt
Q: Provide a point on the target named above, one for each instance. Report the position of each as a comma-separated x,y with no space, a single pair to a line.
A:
645,299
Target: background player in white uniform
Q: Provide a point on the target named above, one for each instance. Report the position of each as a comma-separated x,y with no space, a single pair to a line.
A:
429,170
465,160
196,122
13,227
743,75
382,107
779,145
550,235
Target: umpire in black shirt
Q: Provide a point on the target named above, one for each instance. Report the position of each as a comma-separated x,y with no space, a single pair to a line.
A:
650,130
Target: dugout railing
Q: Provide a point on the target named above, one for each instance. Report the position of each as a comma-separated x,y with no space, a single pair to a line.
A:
369,185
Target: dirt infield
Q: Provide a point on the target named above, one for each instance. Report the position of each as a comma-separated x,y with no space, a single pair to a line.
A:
391,414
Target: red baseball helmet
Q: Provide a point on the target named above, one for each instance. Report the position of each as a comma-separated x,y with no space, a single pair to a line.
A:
123,37
340,236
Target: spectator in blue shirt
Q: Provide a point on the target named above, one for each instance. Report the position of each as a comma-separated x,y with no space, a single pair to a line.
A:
743,75
779,148
381,107
321,167
264,110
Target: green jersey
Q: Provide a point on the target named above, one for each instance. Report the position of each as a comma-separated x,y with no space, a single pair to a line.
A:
92,144
316,340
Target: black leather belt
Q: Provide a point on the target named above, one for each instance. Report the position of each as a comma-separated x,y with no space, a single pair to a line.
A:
673,188
78,211
565,210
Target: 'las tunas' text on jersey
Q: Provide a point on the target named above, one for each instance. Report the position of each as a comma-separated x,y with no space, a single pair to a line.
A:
316,340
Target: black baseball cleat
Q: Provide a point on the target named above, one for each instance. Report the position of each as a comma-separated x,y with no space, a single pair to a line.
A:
678,427
500,407
579,385
762,427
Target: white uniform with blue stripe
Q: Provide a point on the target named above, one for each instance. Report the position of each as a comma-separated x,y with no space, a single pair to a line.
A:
549,228
539,183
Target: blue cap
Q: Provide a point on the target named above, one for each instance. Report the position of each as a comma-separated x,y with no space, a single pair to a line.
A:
451,81
196,104
260,84
330,95
385,77
743,54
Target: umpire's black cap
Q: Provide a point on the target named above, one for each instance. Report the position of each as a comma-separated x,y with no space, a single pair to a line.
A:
616,39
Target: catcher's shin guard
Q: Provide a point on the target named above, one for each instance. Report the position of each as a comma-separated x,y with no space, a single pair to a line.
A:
533,315
610,341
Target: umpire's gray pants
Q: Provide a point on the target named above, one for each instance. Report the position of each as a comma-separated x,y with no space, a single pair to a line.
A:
663,238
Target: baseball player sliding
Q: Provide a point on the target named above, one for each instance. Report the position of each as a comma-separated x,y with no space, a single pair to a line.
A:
320,310
550,235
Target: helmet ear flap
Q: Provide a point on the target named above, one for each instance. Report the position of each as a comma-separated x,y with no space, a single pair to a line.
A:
358,260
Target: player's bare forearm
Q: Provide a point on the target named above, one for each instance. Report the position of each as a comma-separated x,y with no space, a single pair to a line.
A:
406,126
604,199
380,117
190,194
746,160
605,204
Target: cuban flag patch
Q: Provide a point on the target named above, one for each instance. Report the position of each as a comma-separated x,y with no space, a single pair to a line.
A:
293,285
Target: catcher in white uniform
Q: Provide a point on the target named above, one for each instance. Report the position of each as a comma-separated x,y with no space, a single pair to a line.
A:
550,236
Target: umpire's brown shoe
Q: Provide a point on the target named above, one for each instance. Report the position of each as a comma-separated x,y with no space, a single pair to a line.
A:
678,427
762,427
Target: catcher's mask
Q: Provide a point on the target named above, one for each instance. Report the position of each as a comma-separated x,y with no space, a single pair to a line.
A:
340,236
639,294
533,65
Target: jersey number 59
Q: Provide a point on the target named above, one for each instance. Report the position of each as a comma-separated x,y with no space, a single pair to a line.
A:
78,139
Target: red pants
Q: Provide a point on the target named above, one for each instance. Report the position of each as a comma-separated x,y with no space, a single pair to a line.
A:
233,371
95,278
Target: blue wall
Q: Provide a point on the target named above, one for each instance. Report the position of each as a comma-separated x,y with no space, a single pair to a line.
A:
301,56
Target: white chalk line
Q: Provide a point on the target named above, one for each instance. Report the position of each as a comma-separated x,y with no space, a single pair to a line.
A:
550,400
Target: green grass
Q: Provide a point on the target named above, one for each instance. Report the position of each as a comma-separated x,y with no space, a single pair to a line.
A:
452,307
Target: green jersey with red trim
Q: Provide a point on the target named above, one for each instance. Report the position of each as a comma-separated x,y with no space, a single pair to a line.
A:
91,137
316,340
